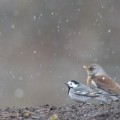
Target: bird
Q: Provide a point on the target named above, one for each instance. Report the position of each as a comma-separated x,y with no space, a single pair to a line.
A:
98,78
83,94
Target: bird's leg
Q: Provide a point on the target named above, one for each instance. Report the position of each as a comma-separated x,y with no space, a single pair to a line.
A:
91,83
94,86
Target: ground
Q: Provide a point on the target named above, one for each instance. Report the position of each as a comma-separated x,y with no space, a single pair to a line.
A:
75,111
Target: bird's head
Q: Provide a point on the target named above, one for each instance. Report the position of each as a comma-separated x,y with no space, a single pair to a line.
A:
94,70
72,84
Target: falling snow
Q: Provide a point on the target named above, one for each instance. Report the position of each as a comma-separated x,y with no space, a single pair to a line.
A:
78,9
58,26
12,26
13,76
41,14
99,15
109,30
113,52
31,76
34,18
66,20
34,51
52,13
19,93
20,78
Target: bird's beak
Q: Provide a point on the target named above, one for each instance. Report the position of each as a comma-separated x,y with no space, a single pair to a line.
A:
86,67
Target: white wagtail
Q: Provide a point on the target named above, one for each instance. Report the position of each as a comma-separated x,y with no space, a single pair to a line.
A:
83,93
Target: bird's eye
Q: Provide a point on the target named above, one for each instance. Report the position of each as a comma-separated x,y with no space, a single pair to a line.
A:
70,83
91,68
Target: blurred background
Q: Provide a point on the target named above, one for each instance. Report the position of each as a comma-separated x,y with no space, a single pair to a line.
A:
44,43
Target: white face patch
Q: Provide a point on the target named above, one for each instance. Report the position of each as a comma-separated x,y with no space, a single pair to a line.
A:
72,84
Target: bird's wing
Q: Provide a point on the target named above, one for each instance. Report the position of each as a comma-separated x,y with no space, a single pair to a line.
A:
87,93
94,94
82,92
106,83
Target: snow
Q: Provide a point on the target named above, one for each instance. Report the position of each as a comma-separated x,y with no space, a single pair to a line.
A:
99,15
12,26
31,76
113,52
66,20
13,76
34,51
41,14
52,13
21,78
78,9
19,93
34,18
58,26
109,30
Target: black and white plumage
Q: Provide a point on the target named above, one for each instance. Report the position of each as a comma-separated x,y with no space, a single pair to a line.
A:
83,93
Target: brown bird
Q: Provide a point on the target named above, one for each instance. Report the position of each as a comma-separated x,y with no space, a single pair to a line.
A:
98,78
